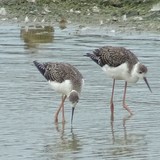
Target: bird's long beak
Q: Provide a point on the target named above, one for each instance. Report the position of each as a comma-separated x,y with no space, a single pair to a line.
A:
72,114
145,79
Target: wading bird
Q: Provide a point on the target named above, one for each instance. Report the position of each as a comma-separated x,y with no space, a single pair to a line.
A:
120,64
65,79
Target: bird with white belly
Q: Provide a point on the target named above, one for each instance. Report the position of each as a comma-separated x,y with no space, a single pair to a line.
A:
120,64
65,79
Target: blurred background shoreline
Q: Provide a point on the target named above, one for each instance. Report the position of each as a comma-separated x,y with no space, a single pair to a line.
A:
138,14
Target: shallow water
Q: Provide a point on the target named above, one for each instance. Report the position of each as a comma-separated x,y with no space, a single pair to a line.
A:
28,104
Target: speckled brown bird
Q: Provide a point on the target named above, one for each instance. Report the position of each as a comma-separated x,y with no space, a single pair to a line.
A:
120,64
65,79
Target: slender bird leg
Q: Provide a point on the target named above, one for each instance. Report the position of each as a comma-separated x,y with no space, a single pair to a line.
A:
60,106
124,99
63,119
111,101
56,115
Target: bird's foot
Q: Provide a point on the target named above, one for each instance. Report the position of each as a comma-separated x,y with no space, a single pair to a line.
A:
127,108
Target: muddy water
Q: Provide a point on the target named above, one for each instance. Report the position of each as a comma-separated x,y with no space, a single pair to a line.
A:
28,104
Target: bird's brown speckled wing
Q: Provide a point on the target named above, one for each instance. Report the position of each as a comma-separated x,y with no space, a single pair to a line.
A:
55,72
114,56
59,72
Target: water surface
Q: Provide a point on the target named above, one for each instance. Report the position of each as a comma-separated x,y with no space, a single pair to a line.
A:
28,104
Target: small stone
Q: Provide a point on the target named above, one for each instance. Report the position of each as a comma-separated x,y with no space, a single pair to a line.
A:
78,12
33,1
138,18
124,17
46,9
71,10
155,7
3,11
26,20
114,19
95,9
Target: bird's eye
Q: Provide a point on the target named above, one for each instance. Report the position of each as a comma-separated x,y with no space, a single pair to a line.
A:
140,72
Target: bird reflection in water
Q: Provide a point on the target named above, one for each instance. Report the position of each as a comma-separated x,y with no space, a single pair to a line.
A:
62,143
71,142
124,128
128,144
35,35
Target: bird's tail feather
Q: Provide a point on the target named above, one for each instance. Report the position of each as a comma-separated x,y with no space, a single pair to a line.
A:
93,57
40,67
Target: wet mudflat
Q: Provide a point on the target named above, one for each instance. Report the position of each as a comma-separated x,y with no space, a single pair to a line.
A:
28,104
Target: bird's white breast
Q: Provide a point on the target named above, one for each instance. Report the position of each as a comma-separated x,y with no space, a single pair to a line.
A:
120,73
64,87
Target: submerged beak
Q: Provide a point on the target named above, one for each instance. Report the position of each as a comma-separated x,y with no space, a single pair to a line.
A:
72,114
145,79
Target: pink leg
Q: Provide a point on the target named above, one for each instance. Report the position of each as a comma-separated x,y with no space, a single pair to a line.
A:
60,106
63,119
111,101
124,99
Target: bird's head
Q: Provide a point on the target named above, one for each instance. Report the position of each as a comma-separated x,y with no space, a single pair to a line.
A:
141,72
73,98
